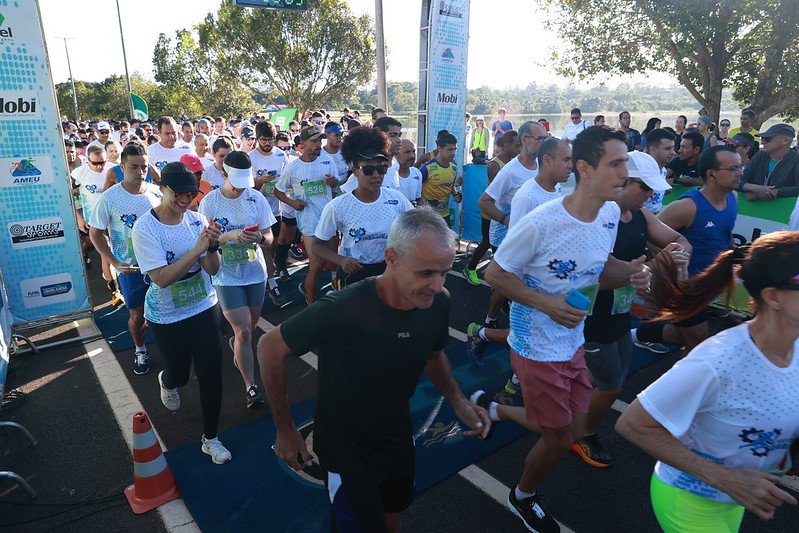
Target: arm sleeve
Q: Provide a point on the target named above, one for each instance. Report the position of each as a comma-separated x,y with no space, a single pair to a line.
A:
205,208
518,248
519,206
100,217
498,187
404,203
266,219
443,335
423,172
283,183
688,388
312,327
327,227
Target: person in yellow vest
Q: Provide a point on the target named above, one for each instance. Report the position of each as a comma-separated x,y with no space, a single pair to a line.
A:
479,146
440,176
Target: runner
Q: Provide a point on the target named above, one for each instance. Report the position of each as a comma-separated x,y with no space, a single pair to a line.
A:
90,180
509,147
374,340
393,130
608,344
554,164
241,279
440,176
721,420
116,211
213,173
267,165
332,148
495,202
178,249
364,216
308,179
410,177
196,166
561,246
168,149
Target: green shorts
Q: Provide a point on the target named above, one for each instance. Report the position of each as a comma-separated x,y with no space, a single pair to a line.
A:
679,511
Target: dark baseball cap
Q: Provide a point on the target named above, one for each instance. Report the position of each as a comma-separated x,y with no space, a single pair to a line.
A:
179,177
778,129
311,133
741,139
247,132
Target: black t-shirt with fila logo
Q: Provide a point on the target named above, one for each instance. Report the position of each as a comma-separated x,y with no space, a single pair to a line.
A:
371,357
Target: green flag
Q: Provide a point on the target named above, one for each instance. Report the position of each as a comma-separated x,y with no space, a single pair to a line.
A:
140,111
282,118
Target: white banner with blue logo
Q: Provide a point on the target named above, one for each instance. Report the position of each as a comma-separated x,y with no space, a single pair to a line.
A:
40,254
446,85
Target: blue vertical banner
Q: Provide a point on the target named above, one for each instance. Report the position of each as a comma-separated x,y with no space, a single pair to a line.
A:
40,255
447,60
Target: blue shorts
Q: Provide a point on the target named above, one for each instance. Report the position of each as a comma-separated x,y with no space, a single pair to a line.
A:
236,296
133,288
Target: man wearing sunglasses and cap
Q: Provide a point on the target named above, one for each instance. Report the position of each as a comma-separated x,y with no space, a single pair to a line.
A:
305,187
332,147
774,171
103,134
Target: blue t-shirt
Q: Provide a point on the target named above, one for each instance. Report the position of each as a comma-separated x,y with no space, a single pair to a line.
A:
633,139
117,170
506,125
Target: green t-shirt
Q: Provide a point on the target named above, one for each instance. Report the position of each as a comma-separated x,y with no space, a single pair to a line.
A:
371,357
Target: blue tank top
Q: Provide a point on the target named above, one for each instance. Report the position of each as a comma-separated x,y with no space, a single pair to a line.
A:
711,232
117,170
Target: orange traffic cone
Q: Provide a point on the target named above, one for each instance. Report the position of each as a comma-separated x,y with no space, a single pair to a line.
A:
153,482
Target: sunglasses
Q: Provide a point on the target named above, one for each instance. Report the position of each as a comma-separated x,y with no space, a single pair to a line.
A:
644,186
318,122
190,195
370,170
725,124
97,163
284,148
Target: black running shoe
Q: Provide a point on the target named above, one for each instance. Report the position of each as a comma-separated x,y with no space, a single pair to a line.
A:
253,396
532,514
591,451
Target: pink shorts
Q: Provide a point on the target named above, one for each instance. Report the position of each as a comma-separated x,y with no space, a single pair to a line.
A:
553,391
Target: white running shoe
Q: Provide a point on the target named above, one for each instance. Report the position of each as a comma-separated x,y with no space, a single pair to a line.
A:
169,397
219,454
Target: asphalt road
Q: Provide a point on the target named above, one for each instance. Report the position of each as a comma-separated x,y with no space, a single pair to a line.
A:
83,455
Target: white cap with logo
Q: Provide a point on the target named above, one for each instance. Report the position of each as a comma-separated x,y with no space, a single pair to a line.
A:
644,167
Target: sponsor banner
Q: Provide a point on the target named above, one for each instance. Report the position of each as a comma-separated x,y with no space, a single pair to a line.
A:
40,255
16,171
446,82
40,232
47,290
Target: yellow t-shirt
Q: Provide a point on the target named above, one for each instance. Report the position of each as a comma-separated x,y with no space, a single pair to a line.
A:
736,131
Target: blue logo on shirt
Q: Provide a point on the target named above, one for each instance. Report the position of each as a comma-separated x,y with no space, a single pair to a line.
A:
221,221
357,233
561,268
761,442
128,220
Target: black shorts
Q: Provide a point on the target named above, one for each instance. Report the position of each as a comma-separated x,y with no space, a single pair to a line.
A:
291,222
276,229
360,496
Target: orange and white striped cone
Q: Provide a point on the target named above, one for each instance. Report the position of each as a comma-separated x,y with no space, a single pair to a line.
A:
153,482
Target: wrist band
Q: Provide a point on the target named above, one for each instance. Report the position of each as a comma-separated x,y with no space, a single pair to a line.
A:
214,247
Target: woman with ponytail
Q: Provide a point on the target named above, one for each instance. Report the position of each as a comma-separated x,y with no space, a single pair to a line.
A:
722,420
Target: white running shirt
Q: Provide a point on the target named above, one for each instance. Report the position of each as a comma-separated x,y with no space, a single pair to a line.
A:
160,156
529,196
273,165
306,181
411,186
502,189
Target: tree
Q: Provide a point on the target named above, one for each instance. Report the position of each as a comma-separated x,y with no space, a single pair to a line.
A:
707,44
107,99
313,59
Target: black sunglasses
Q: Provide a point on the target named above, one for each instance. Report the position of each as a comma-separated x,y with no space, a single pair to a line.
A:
369,170
284,148
644,186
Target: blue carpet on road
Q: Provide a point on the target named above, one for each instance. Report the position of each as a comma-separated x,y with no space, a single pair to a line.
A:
257,492
290,290
113,324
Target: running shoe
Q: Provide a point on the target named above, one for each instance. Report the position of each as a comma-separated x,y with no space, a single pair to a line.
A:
219,454
297,251
169,397
475,345
532,514
277,298
654,347
491,324
284,275
591,451
481,399
471,275
512,386
140,364
253,396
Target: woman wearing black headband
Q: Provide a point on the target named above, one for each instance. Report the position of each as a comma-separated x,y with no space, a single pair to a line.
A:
721,422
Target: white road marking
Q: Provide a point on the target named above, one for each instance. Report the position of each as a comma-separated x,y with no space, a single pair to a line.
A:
124,404
310,358
455,334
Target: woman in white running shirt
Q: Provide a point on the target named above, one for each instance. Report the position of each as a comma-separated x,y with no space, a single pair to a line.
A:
245,220
721,422
363,217
178,250
213,173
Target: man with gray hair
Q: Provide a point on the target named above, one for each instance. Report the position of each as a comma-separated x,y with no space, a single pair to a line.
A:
374,339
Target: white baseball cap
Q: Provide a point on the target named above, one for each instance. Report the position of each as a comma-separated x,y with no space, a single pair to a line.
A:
240,178
644,166
103,126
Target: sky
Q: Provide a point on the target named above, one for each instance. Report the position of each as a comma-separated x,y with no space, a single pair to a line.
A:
93,26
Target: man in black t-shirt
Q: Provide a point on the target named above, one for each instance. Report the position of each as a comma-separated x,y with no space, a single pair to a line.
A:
374,339
682,169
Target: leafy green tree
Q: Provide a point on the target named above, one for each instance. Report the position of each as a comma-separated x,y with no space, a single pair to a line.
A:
707,44
313,59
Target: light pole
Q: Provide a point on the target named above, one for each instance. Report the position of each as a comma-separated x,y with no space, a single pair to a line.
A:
125,59
380,44
71,79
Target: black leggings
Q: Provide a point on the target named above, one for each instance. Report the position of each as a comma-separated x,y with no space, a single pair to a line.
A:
482,248
195,340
